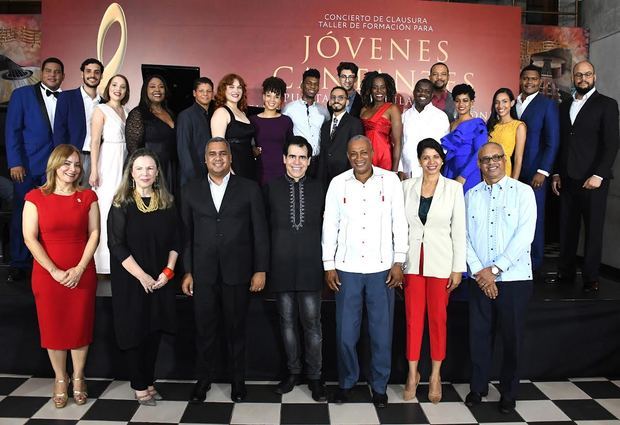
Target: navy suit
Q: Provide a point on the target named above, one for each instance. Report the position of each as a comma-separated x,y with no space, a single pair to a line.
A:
28,144
70,119
541,147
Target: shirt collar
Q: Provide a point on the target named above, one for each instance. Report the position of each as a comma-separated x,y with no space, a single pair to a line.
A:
86,96
292,180
528,97
585,96
500,183
44,87
224,181
376,172
443,95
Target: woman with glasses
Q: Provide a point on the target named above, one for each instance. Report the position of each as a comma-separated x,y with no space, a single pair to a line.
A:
506,130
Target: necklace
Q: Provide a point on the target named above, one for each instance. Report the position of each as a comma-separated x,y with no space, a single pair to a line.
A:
153,205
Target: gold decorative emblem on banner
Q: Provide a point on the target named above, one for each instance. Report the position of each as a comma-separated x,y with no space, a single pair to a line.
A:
113,14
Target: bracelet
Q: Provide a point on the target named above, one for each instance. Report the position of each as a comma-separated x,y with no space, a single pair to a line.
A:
168,272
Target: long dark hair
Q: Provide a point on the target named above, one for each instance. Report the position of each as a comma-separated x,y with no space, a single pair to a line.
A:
366,89
494,118
145,103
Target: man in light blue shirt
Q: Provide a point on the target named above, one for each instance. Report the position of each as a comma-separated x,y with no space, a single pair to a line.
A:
501,221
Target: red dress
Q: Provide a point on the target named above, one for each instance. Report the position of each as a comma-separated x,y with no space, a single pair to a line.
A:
378,129
66,316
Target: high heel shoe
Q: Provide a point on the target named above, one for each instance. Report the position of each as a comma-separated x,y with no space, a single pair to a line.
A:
434,391
80,397
409,394
60,399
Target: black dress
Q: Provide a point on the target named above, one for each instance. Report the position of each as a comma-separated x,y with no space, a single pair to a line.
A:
145,130
239,135
295,214
148,237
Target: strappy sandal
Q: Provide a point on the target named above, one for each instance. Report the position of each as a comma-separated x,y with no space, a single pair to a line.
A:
60,399
145,400
155,394
80,397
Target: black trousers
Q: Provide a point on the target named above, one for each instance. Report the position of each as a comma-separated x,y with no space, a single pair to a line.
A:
222,307
577,203
141,362
504,315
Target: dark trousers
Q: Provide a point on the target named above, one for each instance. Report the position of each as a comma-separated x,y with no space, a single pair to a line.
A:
222,307
301,307
141,362
20,256
538,244
576,204
506,314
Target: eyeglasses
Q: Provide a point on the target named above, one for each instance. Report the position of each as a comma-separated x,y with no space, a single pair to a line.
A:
487,159
348,77
580,75
339,98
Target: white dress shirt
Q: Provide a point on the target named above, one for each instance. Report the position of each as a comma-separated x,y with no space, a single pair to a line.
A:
431,122
218,190
521,105
89,107
577,104
364,224
307,121
50,103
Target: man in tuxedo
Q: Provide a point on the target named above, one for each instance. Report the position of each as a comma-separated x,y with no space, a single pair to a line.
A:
75,110
540,115
29,142
335,134
227,248
442,98
193,131
588,147
347,75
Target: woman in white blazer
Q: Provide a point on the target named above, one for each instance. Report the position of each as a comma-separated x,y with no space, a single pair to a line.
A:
435,210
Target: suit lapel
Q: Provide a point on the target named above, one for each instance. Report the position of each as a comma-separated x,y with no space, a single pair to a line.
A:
39,96
583,112
341,122
210,203
533,105
230,187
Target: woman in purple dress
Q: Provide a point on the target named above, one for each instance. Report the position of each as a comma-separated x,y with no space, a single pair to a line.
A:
272,130
467,135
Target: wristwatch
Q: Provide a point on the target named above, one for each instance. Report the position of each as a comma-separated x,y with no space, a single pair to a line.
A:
495,270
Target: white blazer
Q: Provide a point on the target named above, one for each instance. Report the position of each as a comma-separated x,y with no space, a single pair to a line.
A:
443,235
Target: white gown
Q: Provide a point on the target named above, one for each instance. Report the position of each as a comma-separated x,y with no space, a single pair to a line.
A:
112,154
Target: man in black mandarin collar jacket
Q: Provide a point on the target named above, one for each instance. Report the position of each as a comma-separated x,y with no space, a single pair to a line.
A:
226,256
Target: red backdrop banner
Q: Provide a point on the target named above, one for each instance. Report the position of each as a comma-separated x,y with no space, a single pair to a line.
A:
480,43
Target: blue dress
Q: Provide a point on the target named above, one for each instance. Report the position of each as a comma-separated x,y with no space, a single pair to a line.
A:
461,146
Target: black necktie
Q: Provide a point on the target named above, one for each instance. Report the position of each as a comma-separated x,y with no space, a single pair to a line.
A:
49,93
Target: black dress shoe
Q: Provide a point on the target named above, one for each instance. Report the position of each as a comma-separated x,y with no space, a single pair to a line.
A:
238,392
317,389
15,275
473,399
566,278
506,405
199,393
341,395
590,287
287,385
380,400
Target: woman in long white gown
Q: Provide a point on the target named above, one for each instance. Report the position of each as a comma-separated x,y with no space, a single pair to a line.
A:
108,151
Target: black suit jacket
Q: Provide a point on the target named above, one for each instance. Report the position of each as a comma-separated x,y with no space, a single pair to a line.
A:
356,108
234,240
589,145
333,158
193,131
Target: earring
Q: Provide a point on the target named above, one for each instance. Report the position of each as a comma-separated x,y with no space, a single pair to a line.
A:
133,184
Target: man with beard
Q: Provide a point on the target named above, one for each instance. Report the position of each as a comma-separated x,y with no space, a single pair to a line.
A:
335,134
193,131
422,121
588,147
308,116
540,115
347,75
29,143
75,110
442,98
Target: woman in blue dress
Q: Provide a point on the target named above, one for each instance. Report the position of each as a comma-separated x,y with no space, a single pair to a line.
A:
467,135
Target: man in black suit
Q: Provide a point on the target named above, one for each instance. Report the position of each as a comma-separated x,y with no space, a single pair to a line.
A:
335,134
227,247
347,75
193,131
588,145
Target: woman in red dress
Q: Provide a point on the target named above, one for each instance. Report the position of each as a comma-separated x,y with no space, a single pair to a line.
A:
61,230
382,119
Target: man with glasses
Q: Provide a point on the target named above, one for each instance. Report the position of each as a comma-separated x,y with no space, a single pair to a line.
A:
588,147
501,220
347,75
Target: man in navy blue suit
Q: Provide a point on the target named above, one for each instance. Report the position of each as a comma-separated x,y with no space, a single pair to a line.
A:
29,142
74,111
540,114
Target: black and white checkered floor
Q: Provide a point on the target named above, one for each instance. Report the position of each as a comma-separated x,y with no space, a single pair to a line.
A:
26,400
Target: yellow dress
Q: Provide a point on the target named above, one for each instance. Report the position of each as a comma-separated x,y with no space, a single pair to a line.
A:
506,135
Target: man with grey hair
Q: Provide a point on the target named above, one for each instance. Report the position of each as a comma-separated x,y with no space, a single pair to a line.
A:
364,247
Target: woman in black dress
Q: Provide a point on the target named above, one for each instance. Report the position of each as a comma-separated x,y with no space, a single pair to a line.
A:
151,125
229,121
143,237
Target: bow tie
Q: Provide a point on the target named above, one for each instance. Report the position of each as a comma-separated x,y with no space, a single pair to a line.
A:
49,93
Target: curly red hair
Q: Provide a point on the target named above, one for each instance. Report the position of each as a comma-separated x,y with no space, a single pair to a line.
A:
220,95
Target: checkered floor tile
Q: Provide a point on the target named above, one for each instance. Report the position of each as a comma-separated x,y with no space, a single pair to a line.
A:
25,400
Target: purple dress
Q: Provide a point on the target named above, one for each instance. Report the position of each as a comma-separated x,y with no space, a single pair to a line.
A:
271,133
461,146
